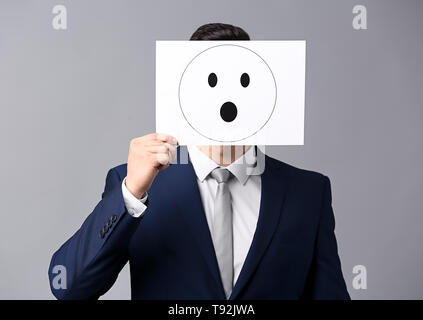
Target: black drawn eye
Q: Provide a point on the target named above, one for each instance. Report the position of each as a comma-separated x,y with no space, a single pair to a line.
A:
245,80
212,80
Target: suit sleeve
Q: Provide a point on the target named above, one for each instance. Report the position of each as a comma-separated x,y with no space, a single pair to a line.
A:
93,257
327,281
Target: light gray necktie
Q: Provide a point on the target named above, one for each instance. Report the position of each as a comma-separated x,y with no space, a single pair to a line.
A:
222,229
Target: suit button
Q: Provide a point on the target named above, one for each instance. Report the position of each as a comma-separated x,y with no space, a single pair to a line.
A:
114,217
101,234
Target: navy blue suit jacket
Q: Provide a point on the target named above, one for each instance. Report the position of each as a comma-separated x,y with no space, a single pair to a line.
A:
293,254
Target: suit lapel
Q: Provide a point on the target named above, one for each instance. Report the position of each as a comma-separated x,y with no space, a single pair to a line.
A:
273,190
194,217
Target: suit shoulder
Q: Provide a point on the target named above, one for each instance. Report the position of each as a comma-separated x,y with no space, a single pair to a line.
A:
120,170
298,173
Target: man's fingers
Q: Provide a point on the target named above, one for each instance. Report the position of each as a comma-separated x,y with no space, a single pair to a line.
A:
164,152
163,148
155,139
172,151
146,156
162,159
166,138
163,167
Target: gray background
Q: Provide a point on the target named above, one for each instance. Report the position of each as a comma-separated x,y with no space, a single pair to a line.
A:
71,100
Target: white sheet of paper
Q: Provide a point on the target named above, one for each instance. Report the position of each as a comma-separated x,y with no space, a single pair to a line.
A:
231,92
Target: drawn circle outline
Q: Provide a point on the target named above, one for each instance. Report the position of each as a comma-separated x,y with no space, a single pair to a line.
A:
232,45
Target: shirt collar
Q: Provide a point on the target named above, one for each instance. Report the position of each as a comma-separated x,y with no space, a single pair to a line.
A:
203,165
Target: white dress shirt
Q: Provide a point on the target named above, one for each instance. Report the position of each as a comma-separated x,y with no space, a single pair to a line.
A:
245,192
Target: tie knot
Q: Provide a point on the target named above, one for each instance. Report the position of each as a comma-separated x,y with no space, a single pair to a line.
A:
221,175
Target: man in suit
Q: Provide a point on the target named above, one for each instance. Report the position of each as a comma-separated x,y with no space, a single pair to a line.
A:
206,229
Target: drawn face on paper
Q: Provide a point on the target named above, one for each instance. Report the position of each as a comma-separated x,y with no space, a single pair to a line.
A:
227,93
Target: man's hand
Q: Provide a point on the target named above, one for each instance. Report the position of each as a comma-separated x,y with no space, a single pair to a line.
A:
147,156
